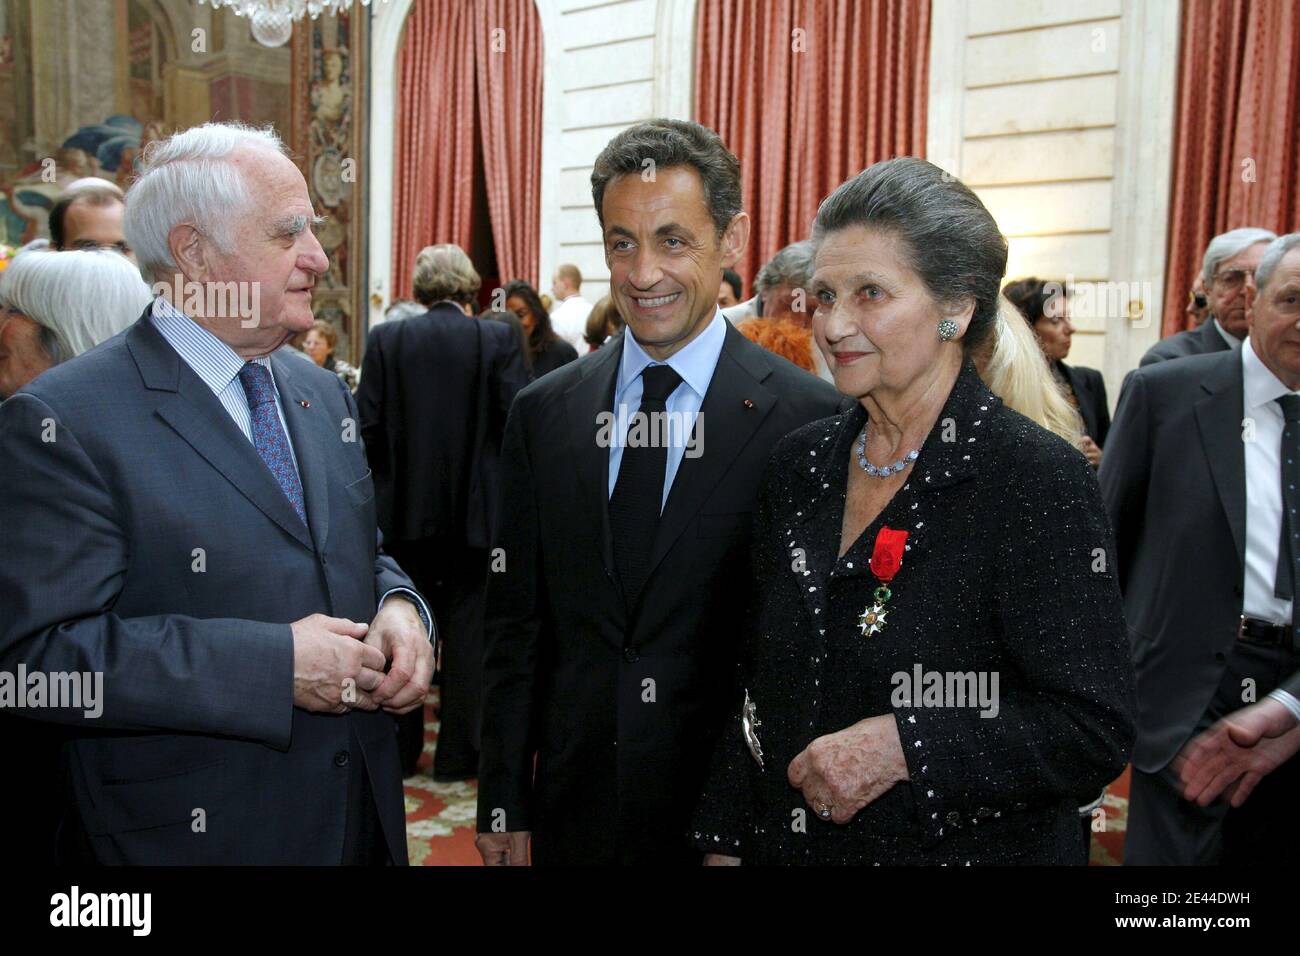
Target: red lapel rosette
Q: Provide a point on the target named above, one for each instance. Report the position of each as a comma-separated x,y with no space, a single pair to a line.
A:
887,555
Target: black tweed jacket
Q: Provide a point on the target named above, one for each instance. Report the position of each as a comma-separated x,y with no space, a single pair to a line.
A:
1008,573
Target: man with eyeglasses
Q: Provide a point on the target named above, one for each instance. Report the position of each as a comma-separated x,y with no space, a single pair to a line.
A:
1230,260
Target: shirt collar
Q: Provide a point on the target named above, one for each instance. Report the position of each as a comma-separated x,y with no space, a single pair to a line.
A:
212,360
1262,386
1232,340
694,363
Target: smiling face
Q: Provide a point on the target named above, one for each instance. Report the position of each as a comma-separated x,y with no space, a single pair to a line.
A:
875,321
1274,320
276,256
1227,290
665,259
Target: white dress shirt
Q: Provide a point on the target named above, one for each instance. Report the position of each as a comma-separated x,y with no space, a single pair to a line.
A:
1261,389
569,319
695,363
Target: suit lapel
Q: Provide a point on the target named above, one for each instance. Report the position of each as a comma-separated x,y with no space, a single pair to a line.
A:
734,407
194,413
584,401
310,431
1219,420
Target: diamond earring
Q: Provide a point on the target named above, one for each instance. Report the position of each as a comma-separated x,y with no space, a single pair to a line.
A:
948,330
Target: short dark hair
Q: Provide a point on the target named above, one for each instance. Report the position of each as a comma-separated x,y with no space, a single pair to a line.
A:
952,241
1031,296
543,334
667,143
92,195
732,278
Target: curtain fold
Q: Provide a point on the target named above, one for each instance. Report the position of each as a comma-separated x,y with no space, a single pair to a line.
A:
807,93
509,73
469,75
1236,132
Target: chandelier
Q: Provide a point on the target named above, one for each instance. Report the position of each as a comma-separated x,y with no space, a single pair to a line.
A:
272,20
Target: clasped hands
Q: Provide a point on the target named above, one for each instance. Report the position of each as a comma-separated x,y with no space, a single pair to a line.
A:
339,664
844,772
1234,755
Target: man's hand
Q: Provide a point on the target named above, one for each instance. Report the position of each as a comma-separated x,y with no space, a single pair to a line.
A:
1234,755
333,671
1090,450
398,633
849,769
504,849
720,859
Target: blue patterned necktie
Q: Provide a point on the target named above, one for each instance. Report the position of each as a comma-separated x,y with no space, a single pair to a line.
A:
268,434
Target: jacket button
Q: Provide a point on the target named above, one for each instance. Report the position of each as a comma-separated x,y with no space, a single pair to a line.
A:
341,758
954,818
630,655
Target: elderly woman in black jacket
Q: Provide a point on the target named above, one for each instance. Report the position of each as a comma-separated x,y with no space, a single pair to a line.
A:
937,669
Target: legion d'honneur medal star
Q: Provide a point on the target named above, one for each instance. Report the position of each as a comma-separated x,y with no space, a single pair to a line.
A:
886,559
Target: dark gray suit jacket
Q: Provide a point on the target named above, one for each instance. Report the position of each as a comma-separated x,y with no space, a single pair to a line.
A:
1197,341
1174,482
145,539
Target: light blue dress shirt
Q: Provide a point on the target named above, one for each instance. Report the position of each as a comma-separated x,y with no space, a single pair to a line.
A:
218,366
695,364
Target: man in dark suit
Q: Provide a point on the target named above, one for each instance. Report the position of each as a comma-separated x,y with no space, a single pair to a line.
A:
191,529
1230,258
435,391
1214,479
626,503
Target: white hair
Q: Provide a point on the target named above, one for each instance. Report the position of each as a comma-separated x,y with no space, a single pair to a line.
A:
1274,254
188,178
1228,244
79,298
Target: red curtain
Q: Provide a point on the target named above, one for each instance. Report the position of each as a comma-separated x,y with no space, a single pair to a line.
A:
807,93
510,111
1236,133
468,73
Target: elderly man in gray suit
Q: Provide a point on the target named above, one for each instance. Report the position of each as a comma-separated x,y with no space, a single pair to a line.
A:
190,520
1230,259
1200,479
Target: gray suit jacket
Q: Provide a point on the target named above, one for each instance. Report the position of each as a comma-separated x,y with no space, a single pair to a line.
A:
146,540
1198,341
1174,482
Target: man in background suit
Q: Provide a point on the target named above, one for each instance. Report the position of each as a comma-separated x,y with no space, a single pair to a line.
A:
1213,478
613,631
434,394
1230,258
191,518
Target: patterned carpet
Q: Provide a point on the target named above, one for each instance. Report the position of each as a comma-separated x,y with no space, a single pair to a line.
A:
440,816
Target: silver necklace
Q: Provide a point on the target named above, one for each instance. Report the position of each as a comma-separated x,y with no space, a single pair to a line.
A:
885,470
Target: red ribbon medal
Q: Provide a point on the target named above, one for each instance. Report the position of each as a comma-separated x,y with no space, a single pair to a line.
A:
886,559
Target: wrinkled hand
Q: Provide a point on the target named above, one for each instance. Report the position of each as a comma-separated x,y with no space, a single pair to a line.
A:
504,849
333,671
720,859
1234,755
1091,450
398,633
851,768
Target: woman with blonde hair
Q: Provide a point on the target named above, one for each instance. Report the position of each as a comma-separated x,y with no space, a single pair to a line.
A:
1013,366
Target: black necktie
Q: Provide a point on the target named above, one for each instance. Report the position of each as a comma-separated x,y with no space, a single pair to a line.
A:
638,493
1288,551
